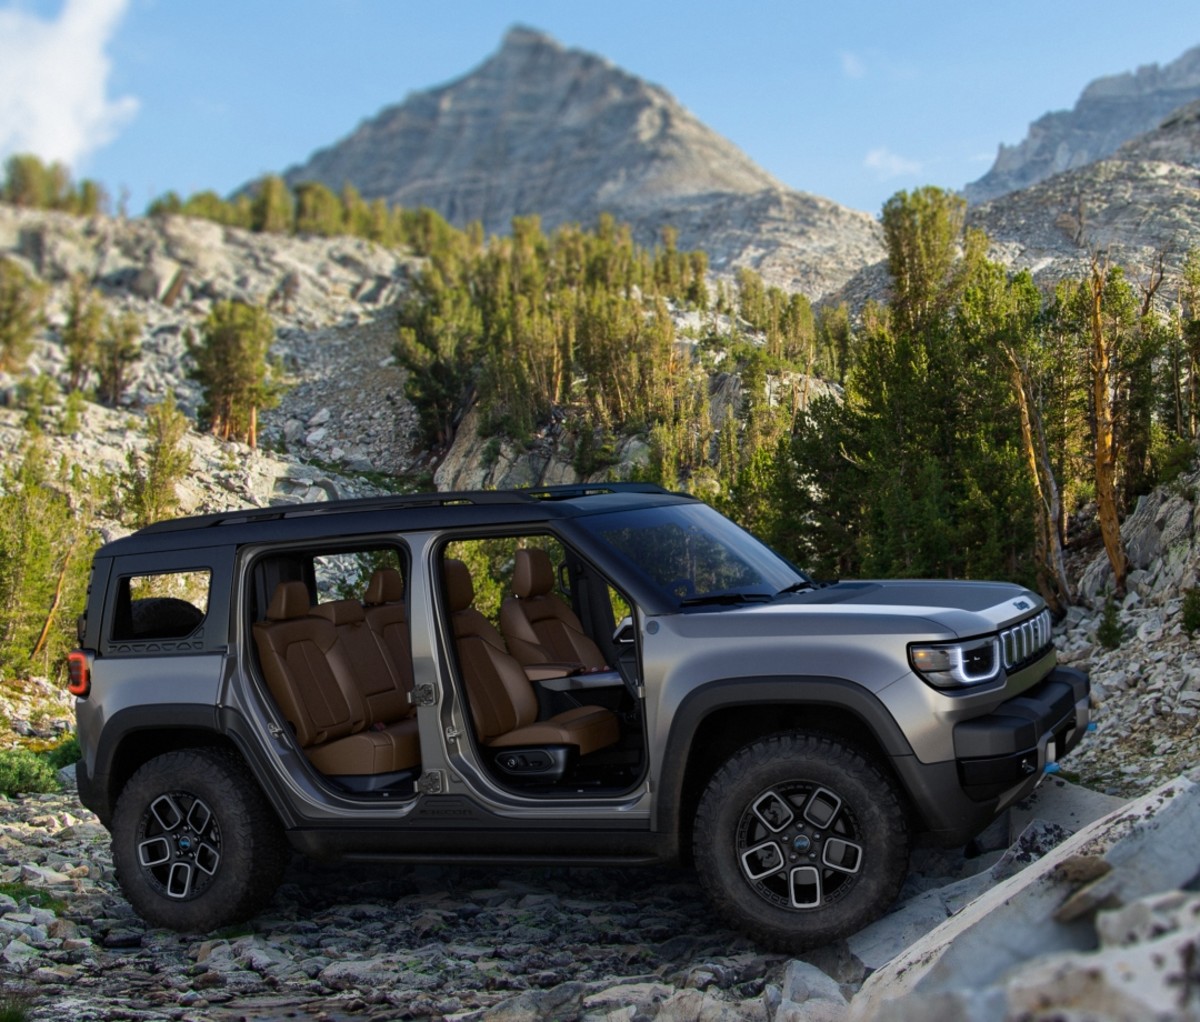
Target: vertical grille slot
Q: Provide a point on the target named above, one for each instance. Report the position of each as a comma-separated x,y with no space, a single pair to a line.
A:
1026,641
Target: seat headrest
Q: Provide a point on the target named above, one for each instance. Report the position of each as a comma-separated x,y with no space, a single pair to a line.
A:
533,574
340,612
290,600
460,590
386,586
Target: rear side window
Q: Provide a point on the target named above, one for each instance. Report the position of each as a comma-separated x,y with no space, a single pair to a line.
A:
164,605
344,575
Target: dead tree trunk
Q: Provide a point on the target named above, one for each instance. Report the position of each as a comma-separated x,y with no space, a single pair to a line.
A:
1053,582
1104,347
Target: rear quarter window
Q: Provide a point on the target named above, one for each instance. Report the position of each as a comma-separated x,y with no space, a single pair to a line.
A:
164,605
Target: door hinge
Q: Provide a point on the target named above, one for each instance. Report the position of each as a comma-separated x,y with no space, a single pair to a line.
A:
431,782
423,695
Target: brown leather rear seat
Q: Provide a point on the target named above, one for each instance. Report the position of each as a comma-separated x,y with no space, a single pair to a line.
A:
387,618
503,704
311,666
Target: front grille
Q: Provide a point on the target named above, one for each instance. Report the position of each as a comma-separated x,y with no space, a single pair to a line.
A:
1026,641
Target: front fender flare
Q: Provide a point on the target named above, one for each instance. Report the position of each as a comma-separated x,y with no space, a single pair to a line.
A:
728,693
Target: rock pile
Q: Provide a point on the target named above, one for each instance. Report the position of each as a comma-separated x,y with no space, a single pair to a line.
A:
591,944
1099,928
1146,690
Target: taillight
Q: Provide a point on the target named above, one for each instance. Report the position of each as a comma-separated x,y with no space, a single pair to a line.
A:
79,671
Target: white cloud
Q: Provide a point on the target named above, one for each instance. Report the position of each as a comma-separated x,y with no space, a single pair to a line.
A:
888,164
853,66
54,80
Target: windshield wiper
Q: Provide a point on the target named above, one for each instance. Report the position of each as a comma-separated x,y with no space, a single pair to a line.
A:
719,598
796,587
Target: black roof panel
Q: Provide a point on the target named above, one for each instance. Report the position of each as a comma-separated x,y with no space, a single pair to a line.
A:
389,513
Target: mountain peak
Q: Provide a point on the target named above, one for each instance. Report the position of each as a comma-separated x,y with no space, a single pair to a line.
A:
536,128
539,128
523,37
1110,111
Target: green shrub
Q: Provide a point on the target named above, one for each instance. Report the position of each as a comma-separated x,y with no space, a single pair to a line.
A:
1171,460
13,1008
1191,610
22,770
63,754
37,897
1110,633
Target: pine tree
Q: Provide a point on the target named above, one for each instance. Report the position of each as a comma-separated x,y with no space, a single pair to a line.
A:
21,301
82,333
318,210
151,477
922,231
116,351
46,543
272,209
231,366
27,182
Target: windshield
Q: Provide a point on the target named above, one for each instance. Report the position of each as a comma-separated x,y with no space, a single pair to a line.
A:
693,555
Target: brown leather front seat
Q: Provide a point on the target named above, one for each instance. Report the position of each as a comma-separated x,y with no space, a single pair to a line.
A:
309,672
538,626
503,703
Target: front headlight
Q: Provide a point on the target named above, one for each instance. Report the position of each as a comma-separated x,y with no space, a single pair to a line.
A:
958,664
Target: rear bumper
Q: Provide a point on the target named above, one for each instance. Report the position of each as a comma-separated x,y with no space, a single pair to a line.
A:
999,758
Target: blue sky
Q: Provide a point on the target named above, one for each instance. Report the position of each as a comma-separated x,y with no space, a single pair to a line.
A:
852,100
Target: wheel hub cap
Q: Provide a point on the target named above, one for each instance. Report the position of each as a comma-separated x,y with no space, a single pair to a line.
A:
179,845
798,845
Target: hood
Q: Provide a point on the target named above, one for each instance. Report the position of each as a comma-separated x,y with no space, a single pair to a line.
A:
931,608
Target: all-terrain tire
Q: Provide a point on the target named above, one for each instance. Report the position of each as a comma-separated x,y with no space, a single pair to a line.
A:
195,844
800,839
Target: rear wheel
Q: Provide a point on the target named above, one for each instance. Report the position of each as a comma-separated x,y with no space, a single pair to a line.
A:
800,839
195,844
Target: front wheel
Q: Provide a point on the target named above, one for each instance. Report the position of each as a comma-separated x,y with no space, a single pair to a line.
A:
800,839
195,844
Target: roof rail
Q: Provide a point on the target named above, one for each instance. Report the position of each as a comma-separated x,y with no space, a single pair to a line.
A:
387,502
565,491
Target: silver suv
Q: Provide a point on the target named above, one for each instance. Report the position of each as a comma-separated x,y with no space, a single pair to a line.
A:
589,674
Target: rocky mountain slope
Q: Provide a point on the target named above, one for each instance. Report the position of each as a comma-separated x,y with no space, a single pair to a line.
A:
1142,200
1110,111
596,945
343,409
334,341
541,129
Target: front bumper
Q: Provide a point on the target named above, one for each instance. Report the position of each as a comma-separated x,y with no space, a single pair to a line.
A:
999,758
1023,735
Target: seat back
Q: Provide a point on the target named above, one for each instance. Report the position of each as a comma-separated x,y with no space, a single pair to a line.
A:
388,620
295,650
539,627
369,674
500,695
